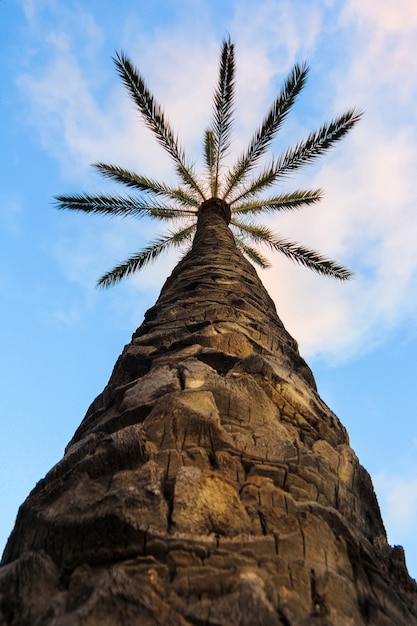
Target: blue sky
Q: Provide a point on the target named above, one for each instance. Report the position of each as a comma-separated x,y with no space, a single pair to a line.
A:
63,108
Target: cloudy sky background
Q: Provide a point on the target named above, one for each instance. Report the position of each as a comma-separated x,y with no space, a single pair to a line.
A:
62,107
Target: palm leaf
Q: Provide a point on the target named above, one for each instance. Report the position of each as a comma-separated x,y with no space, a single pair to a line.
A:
115,205
155,119
171,213
252,254
148,254
221,126
257,232
304,152
143,183
283,202
270,126
317,143
300,254
210,159
311,259
264,179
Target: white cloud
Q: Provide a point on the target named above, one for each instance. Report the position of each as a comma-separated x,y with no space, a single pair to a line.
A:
63,88
386,33
368,217
279,31
74,128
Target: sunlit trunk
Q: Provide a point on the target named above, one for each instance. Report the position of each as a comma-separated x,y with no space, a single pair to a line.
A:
208,483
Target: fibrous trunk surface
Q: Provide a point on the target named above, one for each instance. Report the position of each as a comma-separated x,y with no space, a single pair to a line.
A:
208,484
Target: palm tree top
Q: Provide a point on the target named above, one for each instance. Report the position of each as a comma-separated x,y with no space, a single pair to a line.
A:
237,187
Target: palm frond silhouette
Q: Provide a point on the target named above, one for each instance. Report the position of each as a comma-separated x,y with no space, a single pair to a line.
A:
240,186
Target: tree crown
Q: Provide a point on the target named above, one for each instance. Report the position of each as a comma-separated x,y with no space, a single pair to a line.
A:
238,187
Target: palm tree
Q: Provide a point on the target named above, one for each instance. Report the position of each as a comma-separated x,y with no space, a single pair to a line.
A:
208,483
238,187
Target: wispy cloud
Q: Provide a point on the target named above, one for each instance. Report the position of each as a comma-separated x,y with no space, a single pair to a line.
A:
387,34
367,218
282,32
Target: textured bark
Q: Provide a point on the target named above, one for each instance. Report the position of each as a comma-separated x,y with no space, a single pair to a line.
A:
208,483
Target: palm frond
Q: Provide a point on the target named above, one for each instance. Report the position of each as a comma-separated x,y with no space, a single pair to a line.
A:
270,126
172,213
256,232
317,143
303,153
252,254
143,183
283,202
155,119
115,205
210,159
223,110
311,259
264,179
293,251
145,256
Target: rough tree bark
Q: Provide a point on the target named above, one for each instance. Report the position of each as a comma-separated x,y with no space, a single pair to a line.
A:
208,483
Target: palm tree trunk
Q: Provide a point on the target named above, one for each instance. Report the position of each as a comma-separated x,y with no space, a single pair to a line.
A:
208,483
